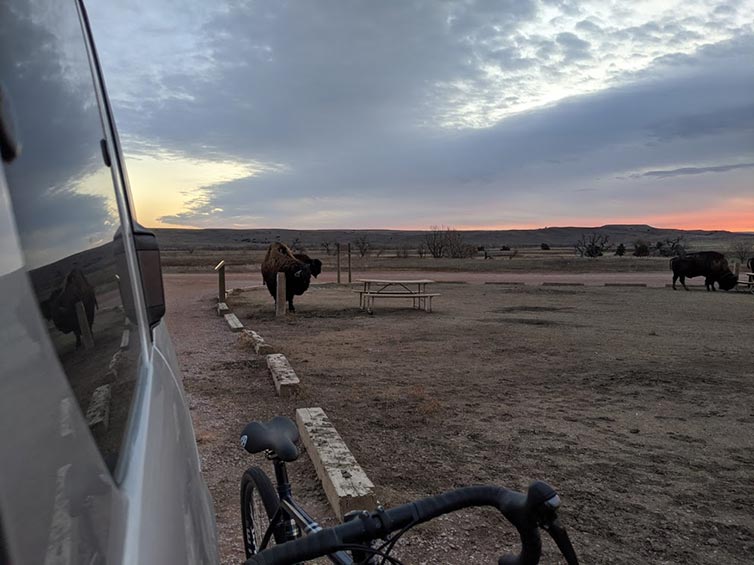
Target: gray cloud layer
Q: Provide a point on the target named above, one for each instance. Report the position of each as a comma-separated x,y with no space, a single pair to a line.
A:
362,103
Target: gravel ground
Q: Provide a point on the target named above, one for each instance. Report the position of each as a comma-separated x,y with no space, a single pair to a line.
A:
634,403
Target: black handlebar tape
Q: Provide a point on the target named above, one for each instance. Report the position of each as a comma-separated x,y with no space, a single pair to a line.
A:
511,504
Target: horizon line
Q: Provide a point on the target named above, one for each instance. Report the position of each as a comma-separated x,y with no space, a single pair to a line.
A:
462,228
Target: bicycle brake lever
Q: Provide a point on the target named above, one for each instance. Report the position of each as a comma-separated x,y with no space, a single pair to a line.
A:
545,502
560,537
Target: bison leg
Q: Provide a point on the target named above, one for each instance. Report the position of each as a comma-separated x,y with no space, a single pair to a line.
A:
78,339
290,305
683,282
675,278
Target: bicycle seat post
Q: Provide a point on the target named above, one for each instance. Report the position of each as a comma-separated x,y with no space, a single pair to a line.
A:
281,475
283,485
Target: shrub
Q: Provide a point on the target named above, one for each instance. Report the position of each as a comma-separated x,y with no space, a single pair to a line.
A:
641,248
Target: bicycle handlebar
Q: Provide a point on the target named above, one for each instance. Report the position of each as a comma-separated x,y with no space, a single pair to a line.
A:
526,512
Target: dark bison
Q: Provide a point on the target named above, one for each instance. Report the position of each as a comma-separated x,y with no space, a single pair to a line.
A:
708,264
60,307
298,270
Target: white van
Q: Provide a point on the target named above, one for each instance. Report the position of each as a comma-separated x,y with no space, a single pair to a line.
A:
98,462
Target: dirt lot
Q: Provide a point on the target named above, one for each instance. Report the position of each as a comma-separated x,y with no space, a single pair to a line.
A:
634,403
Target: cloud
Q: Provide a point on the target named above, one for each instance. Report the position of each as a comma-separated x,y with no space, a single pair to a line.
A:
448,103
574,48
696,170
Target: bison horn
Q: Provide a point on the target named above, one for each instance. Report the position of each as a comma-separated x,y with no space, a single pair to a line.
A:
298,274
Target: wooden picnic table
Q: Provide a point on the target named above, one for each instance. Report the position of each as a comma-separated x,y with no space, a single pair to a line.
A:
413,289
748,283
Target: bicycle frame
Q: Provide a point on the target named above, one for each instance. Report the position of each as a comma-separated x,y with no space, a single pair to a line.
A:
293,517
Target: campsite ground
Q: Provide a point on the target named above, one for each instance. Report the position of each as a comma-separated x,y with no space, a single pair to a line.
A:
633,402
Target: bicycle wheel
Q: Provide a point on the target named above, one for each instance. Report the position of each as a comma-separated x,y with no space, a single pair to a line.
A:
259,503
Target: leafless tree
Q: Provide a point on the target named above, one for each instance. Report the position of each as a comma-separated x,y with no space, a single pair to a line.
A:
363,245
421,250
456,246
435,241
327,247
592,245
741,250
403,251
296,246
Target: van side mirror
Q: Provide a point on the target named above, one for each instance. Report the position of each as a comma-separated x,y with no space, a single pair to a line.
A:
150,271
148,254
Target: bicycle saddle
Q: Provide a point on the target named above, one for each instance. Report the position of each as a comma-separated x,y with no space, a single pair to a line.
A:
279,435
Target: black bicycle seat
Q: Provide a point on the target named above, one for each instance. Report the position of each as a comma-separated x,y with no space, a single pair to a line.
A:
279,435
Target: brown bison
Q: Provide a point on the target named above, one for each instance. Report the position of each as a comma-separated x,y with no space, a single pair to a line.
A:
298,270
708,264
60,307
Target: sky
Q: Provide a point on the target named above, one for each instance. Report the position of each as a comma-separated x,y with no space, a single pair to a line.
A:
477,114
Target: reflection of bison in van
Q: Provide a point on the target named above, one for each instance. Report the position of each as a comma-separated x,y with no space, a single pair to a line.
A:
708,264
60,307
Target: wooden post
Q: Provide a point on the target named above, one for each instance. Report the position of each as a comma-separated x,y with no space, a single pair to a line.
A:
738,269
220,268
86,331
281,306
349,262
337,260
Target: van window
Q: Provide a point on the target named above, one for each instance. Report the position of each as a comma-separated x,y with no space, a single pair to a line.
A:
66,212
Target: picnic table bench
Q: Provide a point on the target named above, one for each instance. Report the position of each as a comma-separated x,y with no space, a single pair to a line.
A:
748,284
414,289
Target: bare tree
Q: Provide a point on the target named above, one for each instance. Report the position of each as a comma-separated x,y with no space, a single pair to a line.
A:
670,247
435,241
363,245
592,245
403,251
456,247
421,250
327,247
741,250
296,246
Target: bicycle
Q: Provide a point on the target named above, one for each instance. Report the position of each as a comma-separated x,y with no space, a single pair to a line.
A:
273,511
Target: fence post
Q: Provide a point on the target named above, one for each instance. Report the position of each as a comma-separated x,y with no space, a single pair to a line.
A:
86,330
281,306
349,262
337,260
220,268
738,269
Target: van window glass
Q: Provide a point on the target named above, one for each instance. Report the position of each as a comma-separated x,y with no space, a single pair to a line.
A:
65,208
